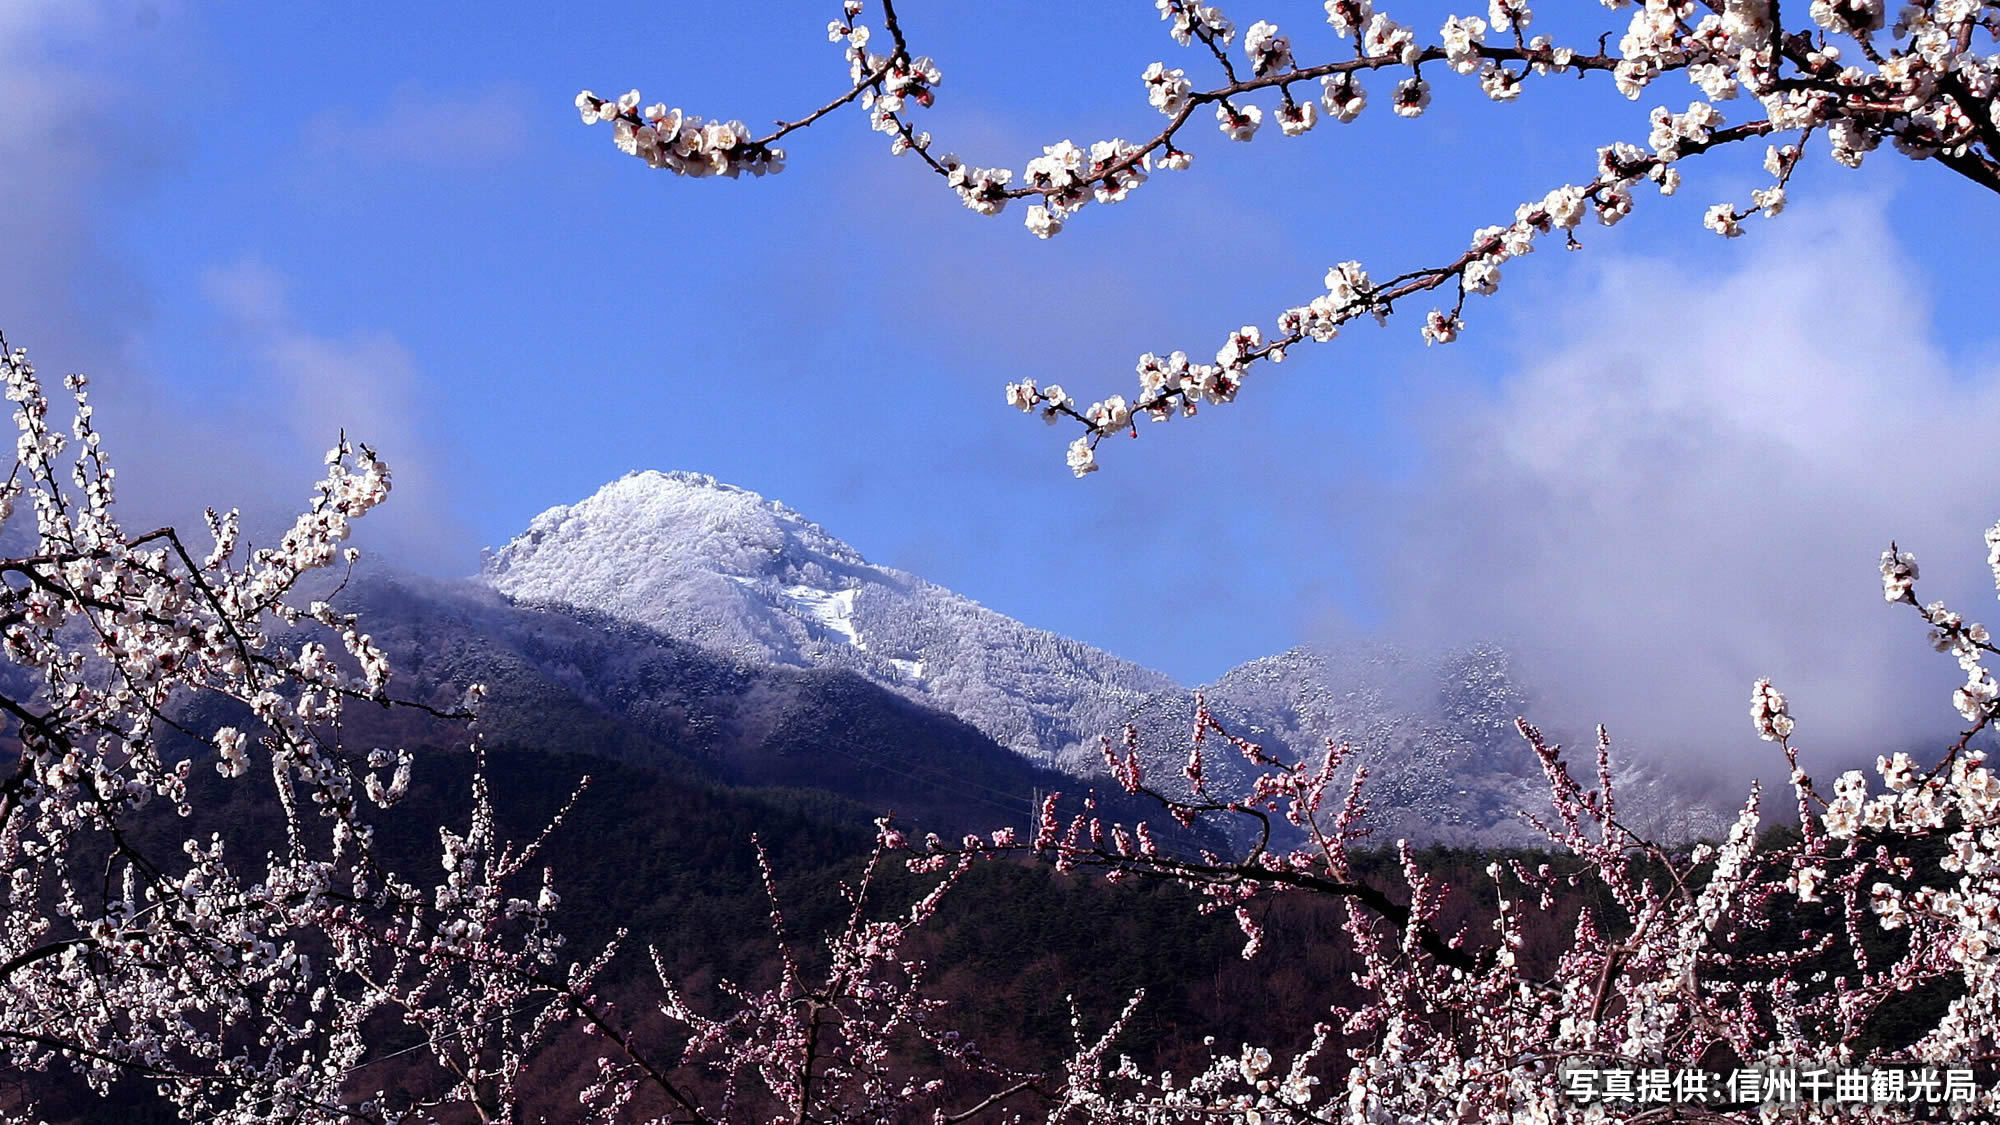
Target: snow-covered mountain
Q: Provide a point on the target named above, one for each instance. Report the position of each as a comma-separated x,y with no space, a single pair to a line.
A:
725,568
1445,761
567,681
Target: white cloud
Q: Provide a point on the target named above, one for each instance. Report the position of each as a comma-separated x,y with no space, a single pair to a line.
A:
426,127
54,117
1688,485
72,158
314,387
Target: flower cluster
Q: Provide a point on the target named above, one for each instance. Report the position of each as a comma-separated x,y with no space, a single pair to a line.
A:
1170,385
1969,644
1166,90
1769,713
1899,575
680,142
1268,51
1187,22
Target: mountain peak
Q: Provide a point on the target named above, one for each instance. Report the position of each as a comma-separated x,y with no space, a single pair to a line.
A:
728,569
665,480
676,476
650,519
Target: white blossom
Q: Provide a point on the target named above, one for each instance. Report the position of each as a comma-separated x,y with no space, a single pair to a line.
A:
1343,96
1238,123
1412,97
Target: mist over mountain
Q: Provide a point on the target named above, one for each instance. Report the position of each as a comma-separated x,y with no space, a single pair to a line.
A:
1446,763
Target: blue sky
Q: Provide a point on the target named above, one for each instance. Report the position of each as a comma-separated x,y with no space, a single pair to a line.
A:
1665,464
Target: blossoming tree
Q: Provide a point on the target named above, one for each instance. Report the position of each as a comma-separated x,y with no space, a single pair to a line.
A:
245,988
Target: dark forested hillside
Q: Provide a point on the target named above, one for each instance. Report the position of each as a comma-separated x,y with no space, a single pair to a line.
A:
568,681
